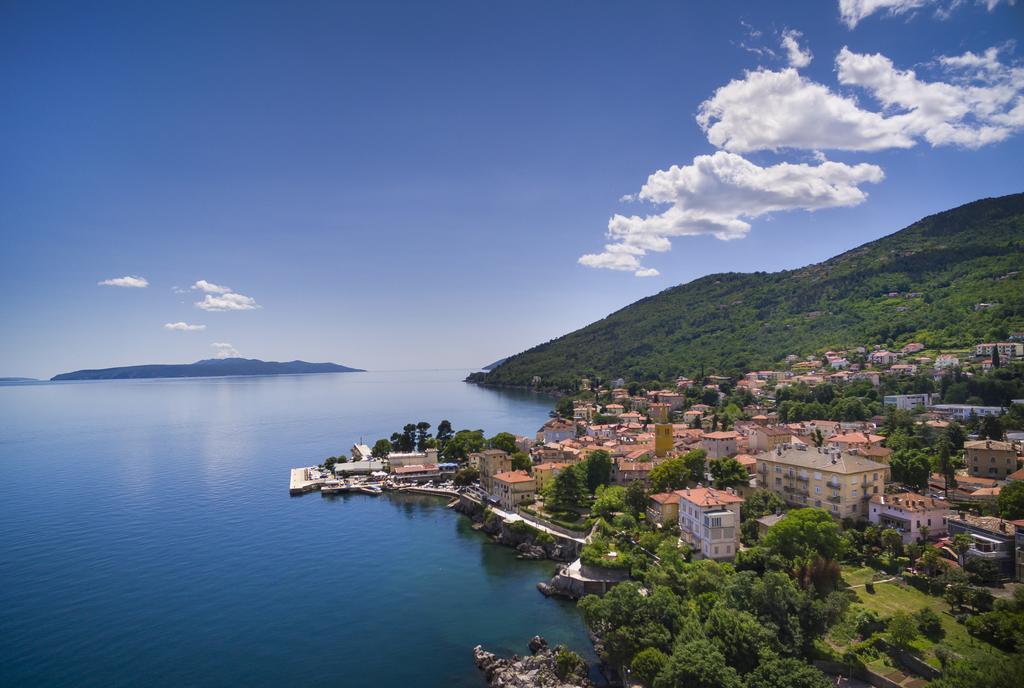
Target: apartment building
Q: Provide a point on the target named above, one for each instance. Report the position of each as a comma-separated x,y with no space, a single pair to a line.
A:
990,459
827,478
709,522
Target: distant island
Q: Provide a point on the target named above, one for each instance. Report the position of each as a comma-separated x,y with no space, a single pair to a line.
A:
211,367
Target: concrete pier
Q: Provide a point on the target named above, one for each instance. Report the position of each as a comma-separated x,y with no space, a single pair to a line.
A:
299,482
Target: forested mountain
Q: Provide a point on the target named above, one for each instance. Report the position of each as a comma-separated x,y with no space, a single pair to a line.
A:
211,367
949,280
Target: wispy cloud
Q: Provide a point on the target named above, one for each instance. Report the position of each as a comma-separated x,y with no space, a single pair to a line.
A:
184,327
225,350
126,281
853,11
798,57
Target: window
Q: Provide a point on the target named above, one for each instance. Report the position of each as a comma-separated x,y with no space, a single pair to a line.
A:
853,493
817,475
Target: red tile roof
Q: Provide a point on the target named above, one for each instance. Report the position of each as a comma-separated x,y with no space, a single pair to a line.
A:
706,496
513,477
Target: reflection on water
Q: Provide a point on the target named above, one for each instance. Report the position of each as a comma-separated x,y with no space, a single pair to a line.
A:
147,538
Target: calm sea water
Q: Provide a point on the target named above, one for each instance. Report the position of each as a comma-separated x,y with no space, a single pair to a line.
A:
147,538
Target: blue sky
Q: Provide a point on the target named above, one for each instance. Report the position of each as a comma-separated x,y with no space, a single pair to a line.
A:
412,185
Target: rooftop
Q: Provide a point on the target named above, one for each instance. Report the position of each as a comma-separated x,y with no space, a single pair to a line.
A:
909,501
816,459
513,477
707,496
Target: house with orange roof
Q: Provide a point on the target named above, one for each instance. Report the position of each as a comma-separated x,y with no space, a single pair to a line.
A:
847,441
513,488
663,508
767,438
625,471
709,522
908,513
720,444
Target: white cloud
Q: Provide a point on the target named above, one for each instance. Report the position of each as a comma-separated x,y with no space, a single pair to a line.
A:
210,287
228,301
184,327
126,281
986,104
797,56
853,11
225,350
647,272
717,195
772,110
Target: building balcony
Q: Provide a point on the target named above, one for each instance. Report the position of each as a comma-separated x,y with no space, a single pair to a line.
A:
803,478
835,499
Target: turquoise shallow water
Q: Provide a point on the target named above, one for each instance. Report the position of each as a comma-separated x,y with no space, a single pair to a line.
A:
147,538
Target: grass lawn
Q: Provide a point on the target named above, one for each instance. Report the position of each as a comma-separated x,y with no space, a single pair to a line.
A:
889,598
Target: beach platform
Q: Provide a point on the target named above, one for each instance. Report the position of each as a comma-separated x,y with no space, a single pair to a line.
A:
299,482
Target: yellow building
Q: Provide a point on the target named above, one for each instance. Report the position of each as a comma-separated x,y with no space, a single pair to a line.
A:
491,462
662,439
990,459
840,482
544,473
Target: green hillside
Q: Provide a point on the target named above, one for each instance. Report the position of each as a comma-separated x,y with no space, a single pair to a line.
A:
732,322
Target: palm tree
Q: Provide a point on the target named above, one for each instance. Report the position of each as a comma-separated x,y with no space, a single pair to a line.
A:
962,543
923,532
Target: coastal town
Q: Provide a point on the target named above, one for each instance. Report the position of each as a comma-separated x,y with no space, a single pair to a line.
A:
920,481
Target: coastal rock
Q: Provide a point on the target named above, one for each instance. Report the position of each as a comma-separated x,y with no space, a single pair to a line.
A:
528,551
537,671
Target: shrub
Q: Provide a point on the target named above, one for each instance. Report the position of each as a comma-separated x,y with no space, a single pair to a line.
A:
647,664
929,623
523,528
567,662
868,623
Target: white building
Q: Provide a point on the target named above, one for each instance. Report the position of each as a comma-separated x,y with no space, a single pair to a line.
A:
963,412
399,459
709,522
908,513
908,402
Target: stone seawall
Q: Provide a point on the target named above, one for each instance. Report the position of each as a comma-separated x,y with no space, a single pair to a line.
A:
530,542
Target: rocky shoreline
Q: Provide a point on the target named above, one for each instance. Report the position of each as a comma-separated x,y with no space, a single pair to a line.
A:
526,540
545,667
